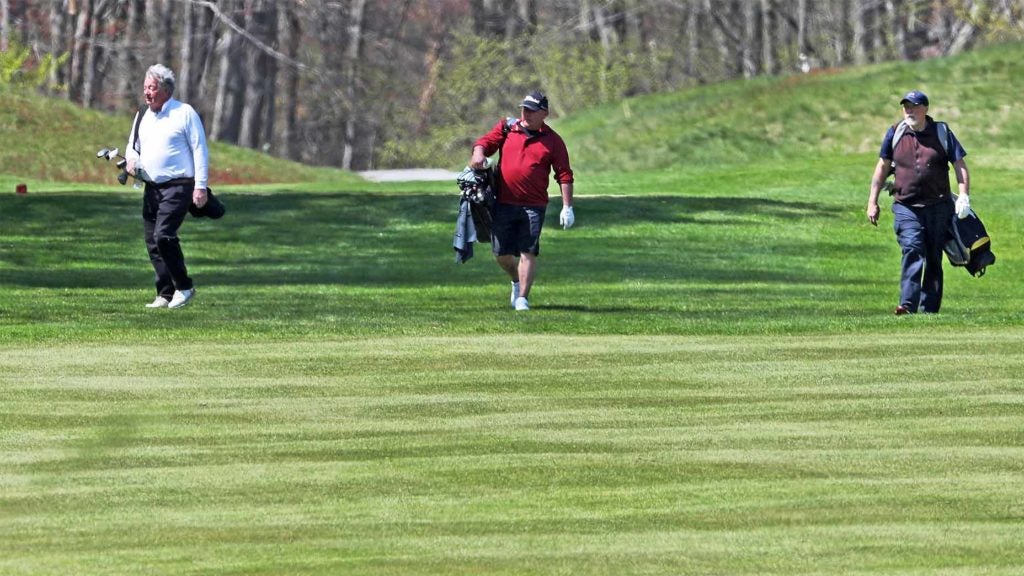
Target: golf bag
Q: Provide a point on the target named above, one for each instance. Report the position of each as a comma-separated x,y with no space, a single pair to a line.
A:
478,189
968,245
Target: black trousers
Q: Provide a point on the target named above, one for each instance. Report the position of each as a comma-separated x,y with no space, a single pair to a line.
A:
164,207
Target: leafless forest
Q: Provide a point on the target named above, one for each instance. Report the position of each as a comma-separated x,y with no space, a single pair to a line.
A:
358,84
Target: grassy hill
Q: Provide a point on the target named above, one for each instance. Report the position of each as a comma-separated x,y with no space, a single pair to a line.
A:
53,142
825,113
711,379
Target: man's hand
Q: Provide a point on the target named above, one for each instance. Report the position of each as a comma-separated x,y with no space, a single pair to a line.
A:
566,218
199,197
963,206
873,212
478,161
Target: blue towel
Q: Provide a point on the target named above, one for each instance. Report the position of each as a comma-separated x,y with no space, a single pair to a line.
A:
465,233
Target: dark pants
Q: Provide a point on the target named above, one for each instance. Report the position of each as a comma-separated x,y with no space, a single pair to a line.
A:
921,232
516,229
164,208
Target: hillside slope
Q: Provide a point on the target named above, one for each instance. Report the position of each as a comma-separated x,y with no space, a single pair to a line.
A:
52,140
825,113
828,112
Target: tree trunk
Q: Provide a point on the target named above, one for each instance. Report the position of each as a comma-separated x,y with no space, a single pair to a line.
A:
80,44
57,23
351,77
290,38
184,88
749,48
203,55
223,101
858,13
899,30
767,40
129,80
255,62
92,54
166,37
5,24
692,40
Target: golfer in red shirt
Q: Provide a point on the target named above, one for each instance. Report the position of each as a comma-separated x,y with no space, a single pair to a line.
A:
530,152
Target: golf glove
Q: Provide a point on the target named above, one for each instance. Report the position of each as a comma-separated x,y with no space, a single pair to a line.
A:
963,206
566,218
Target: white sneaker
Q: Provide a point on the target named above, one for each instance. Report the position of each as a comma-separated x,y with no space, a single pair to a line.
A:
522,304
160,302
181,298
515,294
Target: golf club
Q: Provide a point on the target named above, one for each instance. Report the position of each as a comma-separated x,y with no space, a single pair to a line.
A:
109,154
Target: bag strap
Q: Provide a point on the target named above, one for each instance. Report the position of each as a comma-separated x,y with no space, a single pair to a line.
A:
506,127
941,127
135,129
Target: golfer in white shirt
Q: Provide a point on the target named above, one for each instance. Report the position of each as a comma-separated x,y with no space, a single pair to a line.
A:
169,154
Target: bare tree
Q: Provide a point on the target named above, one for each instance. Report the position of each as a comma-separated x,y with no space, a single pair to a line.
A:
96,16
857,17
80,43
290,36
5,24
57,40
259,79
748,47
128,65
350,76
184,87
767,38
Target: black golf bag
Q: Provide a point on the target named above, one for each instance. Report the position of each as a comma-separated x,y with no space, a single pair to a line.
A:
969,245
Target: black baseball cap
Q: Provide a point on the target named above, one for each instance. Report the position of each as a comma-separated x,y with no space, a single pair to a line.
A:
535,101
915,97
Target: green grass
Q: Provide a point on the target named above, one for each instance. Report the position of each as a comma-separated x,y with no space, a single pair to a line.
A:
598,455
711,380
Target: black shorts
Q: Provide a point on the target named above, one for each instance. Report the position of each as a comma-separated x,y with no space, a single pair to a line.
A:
516,229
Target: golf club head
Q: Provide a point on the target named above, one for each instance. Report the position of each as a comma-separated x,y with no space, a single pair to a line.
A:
102,153
112,154
122,178
121,163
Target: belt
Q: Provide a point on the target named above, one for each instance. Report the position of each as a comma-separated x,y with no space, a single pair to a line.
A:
176,182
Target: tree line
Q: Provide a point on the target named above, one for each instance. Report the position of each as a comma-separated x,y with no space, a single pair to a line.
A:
391,83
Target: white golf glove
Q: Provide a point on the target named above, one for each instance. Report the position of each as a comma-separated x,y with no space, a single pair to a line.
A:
566,218
963,206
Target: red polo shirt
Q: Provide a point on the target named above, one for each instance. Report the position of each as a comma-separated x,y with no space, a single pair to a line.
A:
526,162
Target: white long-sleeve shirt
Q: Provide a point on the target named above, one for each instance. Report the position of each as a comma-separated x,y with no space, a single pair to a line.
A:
172,144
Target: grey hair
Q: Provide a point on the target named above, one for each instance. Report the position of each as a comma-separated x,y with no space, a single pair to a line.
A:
163,75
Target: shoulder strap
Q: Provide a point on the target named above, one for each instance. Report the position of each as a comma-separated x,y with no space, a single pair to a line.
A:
900,130
941,127
135,129
507,126
943,130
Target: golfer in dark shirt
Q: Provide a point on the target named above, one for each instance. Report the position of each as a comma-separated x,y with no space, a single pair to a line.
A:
922,201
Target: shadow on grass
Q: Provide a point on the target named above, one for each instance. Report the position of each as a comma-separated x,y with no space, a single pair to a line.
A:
372,239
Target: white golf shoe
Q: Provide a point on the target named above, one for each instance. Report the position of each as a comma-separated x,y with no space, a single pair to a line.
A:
181,298
522,304
160,302
515,294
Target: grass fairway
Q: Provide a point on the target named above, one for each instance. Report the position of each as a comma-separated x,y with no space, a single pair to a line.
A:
707,385
599,455
711,380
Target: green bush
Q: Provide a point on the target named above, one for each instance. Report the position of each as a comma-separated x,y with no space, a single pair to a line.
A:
17,67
